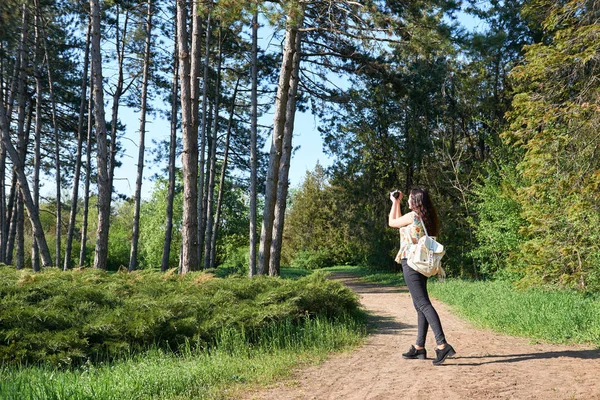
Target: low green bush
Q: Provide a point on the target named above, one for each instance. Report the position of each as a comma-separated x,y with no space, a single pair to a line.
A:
69,318
313,259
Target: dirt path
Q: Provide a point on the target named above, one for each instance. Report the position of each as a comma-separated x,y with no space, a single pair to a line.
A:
487,365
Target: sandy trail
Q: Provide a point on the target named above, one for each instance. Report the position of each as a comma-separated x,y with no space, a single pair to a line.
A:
487,365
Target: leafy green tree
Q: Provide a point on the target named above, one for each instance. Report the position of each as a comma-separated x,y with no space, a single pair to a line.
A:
498,223
152,219
555,122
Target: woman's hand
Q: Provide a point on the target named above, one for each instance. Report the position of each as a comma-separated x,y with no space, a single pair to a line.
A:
394,199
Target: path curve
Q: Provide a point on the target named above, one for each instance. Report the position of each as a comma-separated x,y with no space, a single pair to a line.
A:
487,365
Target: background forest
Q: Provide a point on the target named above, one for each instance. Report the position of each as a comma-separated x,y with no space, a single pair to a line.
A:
501,124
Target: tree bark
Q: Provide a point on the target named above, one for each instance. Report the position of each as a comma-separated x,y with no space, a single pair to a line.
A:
140,169
104,187
213,164
10,207
7,209
264,252
56,160
172,149
15,229
19,168
2,201
56,137
77,173
284,165
201,192
20,233
189,234
9,102
88,172
253,132
213,243
12,231
35,252
120,49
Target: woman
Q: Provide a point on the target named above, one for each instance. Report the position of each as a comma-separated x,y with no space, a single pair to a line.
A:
411,229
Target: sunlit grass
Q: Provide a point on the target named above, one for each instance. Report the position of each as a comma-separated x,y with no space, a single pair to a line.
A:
193,374
558,316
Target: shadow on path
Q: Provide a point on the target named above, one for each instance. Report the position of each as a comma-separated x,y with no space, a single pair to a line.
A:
512,358
386,325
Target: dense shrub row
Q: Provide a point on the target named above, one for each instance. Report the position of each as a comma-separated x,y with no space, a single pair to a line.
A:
66,318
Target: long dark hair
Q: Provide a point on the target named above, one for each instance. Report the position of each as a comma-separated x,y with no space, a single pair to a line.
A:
423,206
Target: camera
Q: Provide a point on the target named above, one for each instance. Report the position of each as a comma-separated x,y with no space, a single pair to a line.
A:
395,193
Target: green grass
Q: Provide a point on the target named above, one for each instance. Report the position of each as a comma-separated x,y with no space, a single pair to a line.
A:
556,316
193,374
294,273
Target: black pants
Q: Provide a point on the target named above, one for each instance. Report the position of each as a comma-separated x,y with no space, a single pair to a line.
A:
426,314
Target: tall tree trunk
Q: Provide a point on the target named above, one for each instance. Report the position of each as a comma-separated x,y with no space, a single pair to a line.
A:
88,172
2,172
253,131
20,233
284,165
119,91
213,163
104,187
172,149
2,200
3,224
77,174
140,169
203,136
20,206
35,252
213,243
10,211
205,185
19,168
56,156
18,69
264,251
12,231
189,234
196,38
21,136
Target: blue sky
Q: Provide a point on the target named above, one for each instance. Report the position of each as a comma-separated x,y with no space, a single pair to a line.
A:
306,138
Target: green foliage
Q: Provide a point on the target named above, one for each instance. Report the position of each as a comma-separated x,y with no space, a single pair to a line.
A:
237,259
315,234
313,259
555,122
119,237
498,224
152,223
67,318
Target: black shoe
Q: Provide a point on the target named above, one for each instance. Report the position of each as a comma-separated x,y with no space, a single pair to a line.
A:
441,355
414,353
